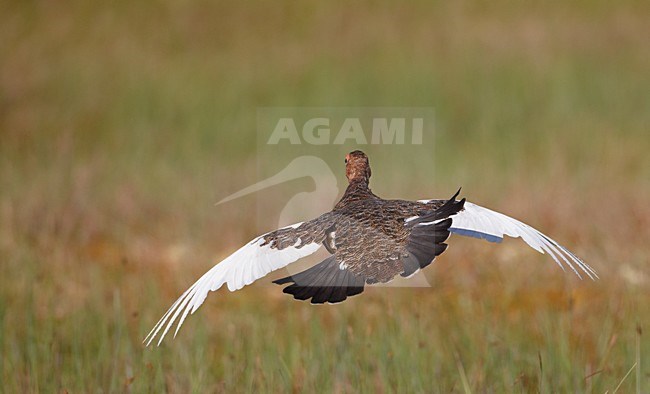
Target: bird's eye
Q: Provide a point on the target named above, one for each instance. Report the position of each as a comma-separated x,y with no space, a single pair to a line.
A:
346,161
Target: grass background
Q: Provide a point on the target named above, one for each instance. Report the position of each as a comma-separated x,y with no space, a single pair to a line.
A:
121,124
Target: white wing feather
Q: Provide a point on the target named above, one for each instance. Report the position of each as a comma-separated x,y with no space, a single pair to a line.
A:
476,221
251,262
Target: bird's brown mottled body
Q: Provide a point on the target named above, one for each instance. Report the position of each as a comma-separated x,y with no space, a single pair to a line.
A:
369,236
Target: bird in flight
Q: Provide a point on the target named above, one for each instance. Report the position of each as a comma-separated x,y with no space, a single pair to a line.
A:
370,240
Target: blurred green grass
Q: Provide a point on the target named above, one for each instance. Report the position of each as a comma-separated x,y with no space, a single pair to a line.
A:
121,124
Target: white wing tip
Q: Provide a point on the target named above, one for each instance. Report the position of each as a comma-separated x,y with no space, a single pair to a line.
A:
479,222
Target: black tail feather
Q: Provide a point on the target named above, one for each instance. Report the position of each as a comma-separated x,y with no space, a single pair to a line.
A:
324,282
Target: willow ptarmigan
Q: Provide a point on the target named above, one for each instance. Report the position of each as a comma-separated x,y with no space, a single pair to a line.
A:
371,240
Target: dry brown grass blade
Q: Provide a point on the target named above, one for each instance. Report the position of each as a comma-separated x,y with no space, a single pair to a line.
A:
639,332
463,375
624,377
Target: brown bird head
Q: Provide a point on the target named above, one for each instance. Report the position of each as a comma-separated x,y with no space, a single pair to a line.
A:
357,166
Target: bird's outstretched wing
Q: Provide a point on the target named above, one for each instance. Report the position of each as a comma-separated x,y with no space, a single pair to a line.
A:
478,222
252,261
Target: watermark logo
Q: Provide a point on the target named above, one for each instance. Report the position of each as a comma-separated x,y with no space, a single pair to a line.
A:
314,168
318,131
311,143
318,126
